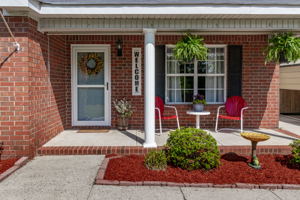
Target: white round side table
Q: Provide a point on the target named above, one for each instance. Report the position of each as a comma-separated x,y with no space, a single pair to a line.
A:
197,114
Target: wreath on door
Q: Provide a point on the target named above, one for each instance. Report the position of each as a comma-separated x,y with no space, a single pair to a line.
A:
91,64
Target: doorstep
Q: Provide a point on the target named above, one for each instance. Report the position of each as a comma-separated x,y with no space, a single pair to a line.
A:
138,150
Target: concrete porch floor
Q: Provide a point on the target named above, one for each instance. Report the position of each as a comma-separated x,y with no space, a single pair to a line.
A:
70,138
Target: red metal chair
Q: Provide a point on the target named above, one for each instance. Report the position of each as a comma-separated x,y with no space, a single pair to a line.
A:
234,108
159,112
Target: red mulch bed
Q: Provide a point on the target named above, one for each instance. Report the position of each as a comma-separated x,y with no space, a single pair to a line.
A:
233,169
6,164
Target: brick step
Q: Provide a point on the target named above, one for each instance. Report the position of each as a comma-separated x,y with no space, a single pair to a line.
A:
126,150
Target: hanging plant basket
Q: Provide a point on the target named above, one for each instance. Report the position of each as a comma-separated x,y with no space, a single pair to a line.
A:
190,47
283,48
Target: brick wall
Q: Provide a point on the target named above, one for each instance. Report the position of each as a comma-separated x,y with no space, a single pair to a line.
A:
260,81
34,106
121,84
28,109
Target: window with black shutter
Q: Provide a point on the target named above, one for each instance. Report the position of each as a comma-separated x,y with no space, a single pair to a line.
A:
160,71
234,77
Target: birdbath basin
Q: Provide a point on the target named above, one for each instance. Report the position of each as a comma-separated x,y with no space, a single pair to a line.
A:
254,138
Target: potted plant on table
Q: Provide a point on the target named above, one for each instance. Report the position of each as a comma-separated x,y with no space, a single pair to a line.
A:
199,102
283,48
124,109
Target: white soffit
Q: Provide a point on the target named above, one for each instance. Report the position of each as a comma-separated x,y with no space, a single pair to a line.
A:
137,24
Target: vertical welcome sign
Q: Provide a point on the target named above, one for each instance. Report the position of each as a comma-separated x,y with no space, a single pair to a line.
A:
136,71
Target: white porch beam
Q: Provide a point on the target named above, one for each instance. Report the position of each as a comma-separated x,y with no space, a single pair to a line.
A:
149,97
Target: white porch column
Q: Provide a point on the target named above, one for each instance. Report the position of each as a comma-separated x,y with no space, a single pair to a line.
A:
149,97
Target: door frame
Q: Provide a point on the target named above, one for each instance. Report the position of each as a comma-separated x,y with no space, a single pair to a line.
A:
107,84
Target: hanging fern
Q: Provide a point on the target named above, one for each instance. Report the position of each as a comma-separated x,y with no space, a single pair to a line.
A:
190,47
283,46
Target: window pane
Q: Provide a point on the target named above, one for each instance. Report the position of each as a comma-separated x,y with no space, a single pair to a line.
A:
171,95
210,82
179,95
201,92
180,68
170,57
172,82
189,68
90,104
211,67
220,82
170,50
220,96
189,82
171,67
201,82
220,67
189,95
86,60
209,96
220,53
202,67
211,53
180,82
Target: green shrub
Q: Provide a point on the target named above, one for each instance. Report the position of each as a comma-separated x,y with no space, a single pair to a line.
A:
191,148
295,152
156,160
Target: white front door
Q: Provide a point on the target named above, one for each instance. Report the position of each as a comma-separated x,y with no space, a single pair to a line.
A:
91,85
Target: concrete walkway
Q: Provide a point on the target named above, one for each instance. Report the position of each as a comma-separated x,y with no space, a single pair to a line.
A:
290,123
71,178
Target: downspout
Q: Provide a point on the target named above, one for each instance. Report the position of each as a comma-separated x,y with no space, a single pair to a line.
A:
15,43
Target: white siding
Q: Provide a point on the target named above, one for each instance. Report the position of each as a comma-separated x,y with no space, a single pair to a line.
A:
290,78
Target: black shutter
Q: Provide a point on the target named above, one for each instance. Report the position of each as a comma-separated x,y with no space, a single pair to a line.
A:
160,71
234,70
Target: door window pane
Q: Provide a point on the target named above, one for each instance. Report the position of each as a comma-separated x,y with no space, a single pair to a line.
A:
91,104
90,68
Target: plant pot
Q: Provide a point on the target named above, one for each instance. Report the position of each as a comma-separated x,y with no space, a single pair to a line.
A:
123,123
198,107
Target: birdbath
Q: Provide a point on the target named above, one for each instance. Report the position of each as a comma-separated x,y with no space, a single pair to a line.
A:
254,138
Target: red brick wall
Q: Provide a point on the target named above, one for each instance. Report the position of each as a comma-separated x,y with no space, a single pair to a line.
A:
120,74
34,106
28,111
260,82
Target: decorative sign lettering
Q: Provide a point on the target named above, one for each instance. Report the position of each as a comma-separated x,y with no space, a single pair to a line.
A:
136,71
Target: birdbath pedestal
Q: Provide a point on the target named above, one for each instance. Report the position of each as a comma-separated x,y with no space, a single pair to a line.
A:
254,138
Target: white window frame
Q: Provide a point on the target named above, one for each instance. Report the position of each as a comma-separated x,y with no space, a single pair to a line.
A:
196,75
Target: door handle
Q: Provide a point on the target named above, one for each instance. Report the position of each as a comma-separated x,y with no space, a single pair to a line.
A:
107,85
